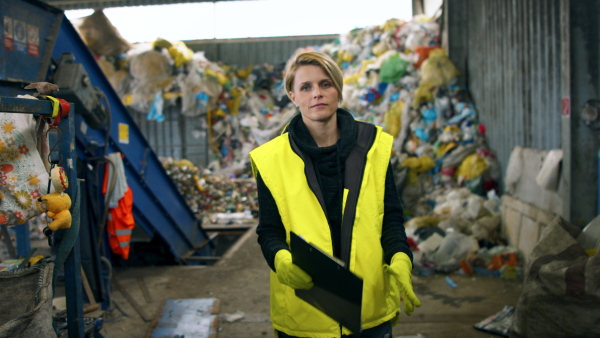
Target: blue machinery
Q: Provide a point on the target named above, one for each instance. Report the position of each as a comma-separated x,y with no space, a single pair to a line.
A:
159,209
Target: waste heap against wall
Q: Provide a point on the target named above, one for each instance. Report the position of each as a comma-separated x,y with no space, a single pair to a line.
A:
396,75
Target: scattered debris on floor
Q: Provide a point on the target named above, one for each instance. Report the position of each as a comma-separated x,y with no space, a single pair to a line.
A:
498,323
232,317
451,282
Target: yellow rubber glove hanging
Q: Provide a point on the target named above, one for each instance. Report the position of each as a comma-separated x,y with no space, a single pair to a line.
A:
400,268
289,273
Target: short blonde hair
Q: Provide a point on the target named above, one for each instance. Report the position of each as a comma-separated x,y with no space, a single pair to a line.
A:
316,59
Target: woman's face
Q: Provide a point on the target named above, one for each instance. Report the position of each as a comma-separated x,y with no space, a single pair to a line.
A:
314,93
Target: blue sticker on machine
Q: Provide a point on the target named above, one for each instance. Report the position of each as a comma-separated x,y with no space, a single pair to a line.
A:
20,36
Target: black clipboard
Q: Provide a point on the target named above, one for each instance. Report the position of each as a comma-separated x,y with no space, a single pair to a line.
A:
337,292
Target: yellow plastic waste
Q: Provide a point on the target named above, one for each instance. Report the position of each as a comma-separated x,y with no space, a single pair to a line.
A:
422,18
364,65
422,95
178,51
391,24
444,148
162,43
244,73
437,70
184,163
198,183
421,164
379,48
219,112
344,56
221,78
417,165
392,119
471,167
352,79
234,103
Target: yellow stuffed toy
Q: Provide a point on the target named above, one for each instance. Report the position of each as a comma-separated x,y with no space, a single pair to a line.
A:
57,205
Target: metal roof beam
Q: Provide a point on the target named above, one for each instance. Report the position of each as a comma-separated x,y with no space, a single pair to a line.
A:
86,4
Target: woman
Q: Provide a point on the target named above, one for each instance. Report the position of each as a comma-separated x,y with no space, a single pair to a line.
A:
328,179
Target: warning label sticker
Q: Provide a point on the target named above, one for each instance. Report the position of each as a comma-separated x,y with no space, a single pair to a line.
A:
20,35
8,33
123,133
33,40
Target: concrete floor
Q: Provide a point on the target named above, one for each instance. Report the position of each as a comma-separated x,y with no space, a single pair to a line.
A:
240,282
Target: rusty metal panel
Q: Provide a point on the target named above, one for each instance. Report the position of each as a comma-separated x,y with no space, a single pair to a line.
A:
513,72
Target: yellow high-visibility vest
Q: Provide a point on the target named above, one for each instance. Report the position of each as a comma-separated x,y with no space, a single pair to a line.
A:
291,179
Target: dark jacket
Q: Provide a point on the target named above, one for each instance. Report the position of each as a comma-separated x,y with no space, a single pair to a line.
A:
329,167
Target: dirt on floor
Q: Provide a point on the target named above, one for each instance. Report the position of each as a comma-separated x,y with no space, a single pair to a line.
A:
240,281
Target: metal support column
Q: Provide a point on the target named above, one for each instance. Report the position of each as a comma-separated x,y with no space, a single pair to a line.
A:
72,264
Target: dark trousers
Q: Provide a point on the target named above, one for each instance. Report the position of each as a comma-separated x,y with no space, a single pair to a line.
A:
381,331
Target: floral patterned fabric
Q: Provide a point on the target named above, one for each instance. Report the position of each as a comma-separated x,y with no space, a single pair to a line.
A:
23,176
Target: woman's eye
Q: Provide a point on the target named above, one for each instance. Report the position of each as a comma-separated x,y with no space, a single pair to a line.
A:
326,84
304,88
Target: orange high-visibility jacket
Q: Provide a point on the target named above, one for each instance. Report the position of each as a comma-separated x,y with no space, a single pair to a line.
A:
120,225
120,221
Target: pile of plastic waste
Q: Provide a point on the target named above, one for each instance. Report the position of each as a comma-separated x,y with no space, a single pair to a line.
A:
395,75
207,193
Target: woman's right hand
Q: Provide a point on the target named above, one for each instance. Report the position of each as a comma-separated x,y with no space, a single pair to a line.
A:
289,273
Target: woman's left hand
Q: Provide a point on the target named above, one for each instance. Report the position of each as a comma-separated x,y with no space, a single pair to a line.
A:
400,268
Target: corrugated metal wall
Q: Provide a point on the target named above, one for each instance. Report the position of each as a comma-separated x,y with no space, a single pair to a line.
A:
178,136
512,68
246,52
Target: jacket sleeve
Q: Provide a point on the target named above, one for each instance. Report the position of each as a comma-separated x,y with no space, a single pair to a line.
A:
270,229
393,236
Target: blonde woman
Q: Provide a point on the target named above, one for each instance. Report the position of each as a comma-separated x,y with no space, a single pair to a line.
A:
328,178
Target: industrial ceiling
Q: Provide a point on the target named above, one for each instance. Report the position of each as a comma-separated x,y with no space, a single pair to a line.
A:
84,4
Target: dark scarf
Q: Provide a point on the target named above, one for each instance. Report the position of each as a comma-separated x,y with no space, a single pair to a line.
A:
329,165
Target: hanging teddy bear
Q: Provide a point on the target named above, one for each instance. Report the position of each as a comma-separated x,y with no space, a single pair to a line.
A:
58,203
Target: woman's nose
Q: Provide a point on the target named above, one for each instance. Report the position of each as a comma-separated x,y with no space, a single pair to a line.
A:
317,93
